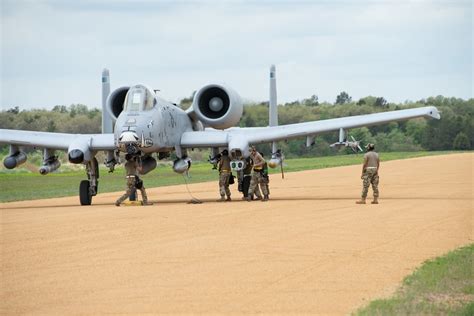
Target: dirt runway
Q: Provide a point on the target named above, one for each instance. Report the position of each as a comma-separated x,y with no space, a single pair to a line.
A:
311,249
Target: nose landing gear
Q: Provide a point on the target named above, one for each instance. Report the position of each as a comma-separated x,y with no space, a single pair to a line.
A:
88,188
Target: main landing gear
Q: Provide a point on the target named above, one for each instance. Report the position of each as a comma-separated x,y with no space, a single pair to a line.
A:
88,188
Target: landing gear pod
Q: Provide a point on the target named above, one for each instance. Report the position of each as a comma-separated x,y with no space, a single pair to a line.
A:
148,164
14,160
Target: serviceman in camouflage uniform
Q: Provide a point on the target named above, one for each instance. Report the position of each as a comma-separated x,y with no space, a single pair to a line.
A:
246,177
370,174
224,176
133,181
265,179
257,176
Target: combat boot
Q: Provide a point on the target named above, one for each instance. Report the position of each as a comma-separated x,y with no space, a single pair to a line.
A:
117,203
375,201
265,198
361,201
228,199
222,199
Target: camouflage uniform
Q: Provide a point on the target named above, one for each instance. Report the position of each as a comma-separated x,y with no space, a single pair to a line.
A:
246,177
266,180
224,176
370,177
370,174
257,177
131,167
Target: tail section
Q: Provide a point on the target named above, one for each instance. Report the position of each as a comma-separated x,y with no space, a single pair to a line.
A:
107,123
273,108
277,155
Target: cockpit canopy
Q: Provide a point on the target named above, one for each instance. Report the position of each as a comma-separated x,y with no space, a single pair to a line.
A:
139,98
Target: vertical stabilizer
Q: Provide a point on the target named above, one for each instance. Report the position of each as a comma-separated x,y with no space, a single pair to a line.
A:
107,123
273,108
277,155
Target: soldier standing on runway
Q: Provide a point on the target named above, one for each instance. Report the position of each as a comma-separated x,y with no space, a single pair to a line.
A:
370,174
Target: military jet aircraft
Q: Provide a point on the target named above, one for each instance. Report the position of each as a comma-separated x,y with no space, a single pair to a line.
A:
136,121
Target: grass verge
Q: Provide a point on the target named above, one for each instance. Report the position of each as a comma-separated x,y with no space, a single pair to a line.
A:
26,185
442,286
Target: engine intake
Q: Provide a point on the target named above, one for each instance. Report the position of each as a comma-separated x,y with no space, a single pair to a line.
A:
217,106
115,102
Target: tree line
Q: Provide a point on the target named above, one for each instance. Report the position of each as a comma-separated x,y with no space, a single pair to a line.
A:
455,130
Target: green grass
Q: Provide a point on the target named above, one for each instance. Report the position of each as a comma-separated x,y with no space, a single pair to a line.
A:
24,185
443,286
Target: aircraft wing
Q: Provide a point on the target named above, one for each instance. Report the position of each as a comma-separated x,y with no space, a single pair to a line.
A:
60,141
256,135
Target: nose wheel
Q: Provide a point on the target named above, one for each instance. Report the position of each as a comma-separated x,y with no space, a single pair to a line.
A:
88,188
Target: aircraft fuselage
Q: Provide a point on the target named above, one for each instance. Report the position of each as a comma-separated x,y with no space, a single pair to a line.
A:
153,124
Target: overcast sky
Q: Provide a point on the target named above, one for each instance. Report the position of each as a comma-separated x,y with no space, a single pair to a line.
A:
53,51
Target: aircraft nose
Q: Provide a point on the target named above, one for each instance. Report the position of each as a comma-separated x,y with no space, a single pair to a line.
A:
76,156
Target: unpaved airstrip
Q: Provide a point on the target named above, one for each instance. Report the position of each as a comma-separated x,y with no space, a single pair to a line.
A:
311,249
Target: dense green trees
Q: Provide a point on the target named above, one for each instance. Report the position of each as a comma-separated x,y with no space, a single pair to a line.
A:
454,131
343,98
76,118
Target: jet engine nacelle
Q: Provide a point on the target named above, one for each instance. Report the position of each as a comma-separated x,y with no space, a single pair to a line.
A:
217,106
115,102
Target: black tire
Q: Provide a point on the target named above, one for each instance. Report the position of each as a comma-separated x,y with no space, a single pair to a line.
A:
84,193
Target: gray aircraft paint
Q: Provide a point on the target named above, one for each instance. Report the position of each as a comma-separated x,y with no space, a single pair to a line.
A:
273,106
107,123
161,126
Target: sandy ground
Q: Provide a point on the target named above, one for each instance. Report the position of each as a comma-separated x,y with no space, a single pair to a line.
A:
311,249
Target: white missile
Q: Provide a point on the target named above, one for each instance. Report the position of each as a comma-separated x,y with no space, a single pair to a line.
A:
50,166
182,165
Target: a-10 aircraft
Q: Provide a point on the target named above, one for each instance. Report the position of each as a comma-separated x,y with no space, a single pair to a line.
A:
145,125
